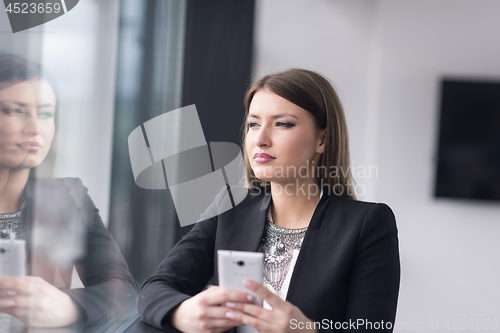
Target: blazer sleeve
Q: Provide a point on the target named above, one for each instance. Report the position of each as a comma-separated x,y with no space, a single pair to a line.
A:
375,273
182,274
110,290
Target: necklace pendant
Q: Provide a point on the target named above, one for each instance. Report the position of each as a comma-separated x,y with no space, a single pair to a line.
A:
280,247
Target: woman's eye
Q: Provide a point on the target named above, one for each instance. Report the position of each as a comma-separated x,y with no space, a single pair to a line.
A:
46,114
284,124
13,111
252,124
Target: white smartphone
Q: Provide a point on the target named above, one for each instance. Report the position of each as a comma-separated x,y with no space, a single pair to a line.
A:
12,258
234,266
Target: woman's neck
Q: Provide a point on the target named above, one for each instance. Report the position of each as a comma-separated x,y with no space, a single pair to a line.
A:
294,203
12,184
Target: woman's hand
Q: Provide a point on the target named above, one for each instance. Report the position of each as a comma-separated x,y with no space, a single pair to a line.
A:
275,320
36,302
205,312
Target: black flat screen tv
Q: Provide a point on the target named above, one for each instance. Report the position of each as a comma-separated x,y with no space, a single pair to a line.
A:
468,157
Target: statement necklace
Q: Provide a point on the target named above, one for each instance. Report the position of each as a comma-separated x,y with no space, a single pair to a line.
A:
277,245
11,223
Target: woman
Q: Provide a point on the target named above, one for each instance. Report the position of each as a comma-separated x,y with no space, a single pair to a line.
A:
56,217
330,261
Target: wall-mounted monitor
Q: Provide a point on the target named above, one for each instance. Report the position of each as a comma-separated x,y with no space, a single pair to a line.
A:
468,159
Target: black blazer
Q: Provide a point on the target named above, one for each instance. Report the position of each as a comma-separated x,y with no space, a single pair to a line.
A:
63,229
347,269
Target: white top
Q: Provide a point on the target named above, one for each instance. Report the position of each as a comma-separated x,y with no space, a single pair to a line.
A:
284,288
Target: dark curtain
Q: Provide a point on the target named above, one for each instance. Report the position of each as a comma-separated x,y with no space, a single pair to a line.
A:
172,54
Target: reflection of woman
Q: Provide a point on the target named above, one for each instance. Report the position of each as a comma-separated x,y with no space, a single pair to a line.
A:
329,259
56,217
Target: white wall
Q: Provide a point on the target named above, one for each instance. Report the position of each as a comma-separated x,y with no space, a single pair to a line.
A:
386,57
449,248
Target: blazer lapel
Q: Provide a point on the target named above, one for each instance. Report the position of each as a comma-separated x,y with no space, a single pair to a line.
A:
242,228
301,276
252,225
28,222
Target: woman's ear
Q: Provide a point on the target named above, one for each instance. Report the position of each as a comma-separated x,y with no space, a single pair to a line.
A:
320,149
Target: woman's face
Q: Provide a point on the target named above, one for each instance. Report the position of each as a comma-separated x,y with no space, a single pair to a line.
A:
26,123
281,138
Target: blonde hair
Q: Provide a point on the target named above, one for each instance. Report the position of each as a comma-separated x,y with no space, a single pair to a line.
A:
313,93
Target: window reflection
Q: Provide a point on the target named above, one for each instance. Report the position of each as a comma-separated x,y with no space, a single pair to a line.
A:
54,218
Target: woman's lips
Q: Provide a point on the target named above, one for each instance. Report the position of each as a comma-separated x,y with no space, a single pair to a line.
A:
263,158
30,146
